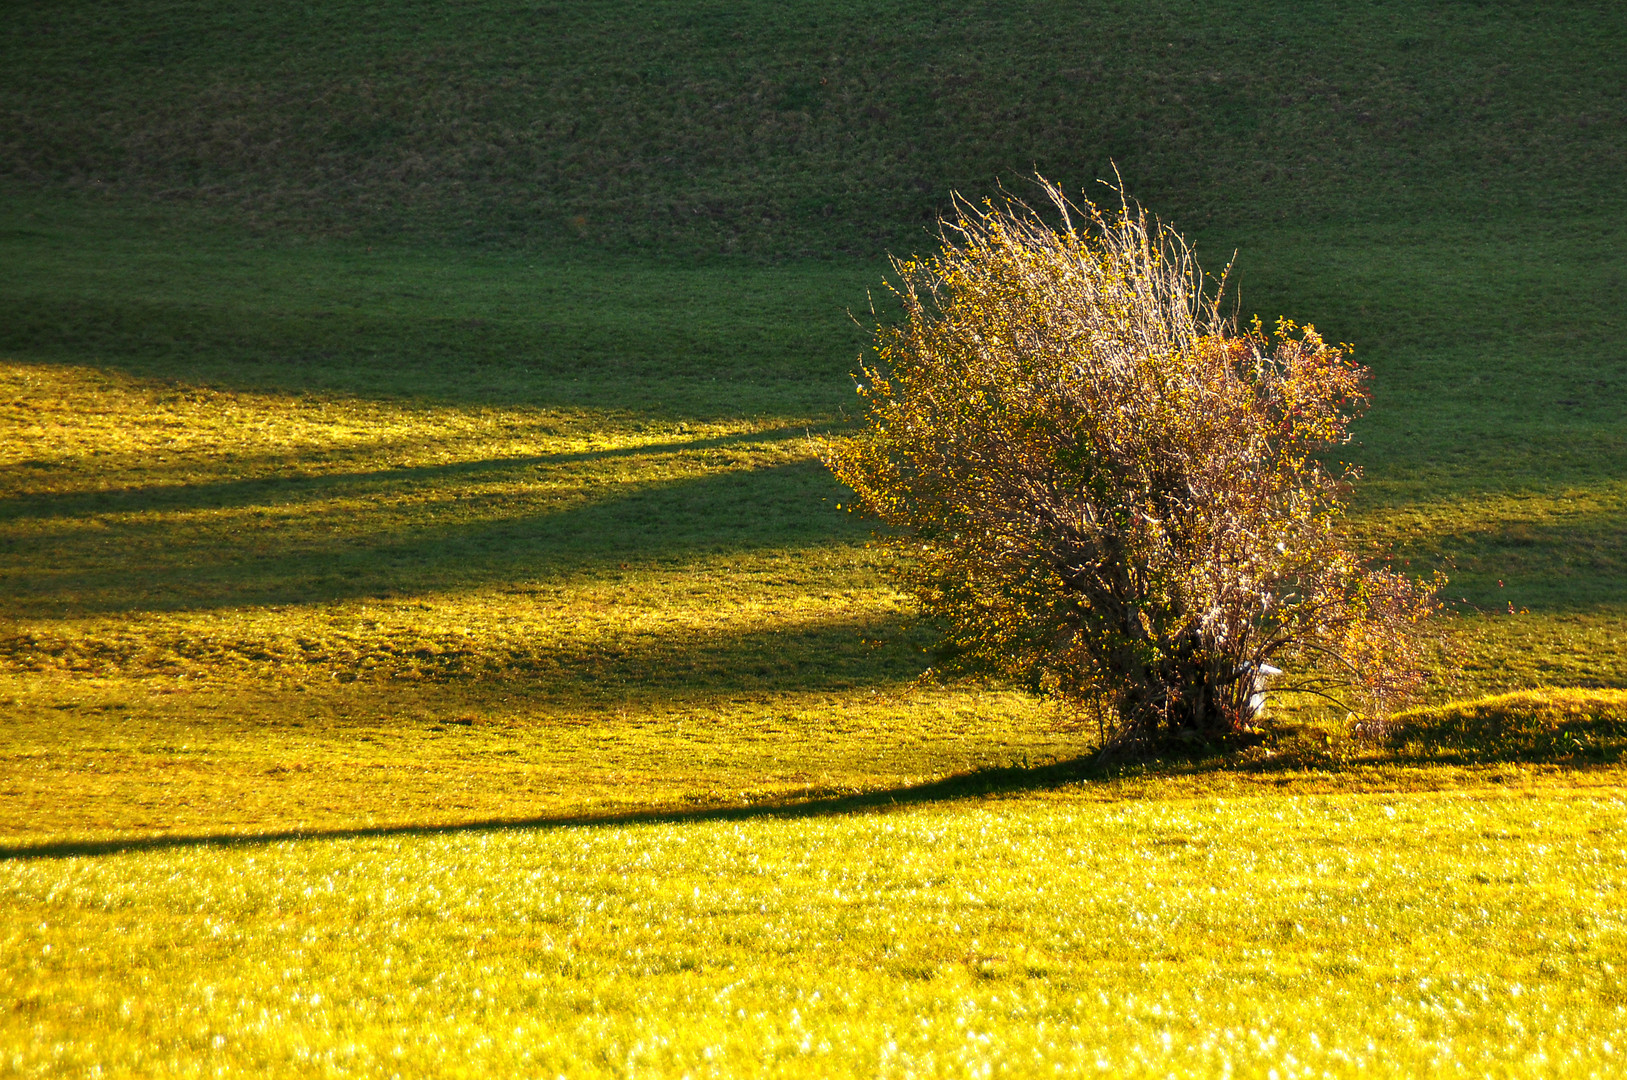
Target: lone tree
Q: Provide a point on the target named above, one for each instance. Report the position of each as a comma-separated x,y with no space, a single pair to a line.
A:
1106,490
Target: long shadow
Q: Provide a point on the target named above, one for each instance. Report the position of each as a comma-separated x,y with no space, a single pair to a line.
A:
788,656
298,551
987,781
992,780
282,490
154,564
583,669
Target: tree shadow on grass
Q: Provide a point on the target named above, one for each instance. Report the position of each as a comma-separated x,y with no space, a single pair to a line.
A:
396,532
667,668
589,663
979,782
976,783
302,486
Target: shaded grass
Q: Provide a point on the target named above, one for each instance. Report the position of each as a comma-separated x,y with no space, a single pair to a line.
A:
1492,446
795,128
162,293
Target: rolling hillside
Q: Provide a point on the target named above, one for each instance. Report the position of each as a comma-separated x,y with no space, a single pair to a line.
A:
809,128
428,642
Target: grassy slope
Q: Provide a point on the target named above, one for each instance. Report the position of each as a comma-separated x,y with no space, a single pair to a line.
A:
318,515
811,127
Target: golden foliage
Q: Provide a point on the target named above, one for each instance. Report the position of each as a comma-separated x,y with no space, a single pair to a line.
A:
1104,488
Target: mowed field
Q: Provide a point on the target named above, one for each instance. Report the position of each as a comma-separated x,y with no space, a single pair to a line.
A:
430,645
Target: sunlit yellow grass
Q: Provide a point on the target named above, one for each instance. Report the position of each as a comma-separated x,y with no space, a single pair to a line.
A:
171,536
240,611
364,621
316,612
1455,934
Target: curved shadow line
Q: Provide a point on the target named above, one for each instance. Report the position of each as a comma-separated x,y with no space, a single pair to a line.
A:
995,780
987,781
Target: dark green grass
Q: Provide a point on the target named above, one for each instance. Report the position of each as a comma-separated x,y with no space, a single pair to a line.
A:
810,128
159,294
1494,444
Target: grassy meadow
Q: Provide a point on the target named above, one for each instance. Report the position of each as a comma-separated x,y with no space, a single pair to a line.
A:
1456,934
429,644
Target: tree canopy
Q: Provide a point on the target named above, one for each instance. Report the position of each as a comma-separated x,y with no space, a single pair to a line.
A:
1104,488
